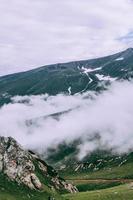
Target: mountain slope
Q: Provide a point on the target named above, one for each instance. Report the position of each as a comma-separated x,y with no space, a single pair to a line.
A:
66,161
70,78
24,169
117,193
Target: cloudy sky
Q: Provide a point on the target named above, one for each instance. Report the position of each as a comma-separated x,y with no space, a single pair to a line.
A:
38,32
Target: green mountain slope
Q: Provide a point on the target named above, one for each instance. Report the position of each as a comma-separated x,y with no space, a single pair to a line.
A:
12,191
68,78
116,193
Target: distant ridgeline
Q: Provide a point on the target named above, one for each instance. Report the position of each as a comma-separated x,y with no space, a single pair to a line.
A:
69,78
65,159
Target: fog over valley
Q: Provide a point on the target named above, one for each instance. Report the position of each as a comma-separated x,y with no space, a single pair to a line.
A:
42,121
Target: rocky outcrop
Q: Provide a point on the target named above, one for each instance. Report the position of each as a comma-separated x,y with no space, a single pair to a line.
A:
67,186
23,166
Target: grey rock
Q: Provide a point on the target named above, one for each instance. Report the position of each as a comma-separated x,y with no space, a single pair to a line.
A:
21,165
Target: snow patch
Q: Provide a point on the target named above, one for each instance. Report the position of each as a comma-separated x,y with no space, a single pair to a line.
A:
124,70
87,70
91,80
69,90
105,78
120,58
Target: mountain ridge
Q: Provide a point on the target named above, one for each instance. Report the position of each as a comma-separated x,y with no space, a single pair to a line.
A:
68,78
70,62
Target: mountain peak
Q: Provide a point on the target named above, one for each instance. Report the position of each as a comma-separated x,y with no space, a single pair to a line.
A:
129,49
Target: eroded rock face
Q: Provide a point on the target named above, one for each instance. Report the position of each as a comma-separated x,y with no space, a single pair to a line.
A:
21,166
17,163
67,186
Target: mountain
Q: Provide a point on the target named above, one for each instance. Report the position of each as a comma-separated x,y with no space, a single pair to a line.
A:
64,158
69,78
27,170
23,172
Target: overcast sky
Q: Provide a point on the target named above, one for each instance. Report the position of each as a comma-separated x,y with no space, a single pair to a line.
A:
38,32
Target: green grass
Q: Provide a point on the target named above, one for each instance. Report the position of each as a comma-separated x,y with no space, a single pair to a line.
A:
125,171
92,182
12,191
85,185
92,185
123,192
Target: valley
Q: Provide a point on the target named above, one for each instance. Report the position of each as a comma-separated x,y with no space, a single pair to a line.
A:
118,193
66,100
99,171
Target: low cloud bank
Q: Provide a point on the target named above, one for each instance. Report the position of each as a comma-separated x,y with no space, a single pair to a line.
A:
30,119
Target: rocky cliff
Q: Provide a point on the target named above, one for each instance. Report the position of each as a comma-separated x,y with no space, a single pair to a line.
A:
25,167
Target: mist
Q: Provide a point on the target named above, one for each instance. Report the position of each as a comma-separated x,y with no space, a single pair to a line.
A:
33,120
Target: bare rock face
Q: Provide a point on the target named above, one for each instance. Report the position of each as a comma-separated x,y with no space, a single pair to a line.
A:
21,166
17,163
67,186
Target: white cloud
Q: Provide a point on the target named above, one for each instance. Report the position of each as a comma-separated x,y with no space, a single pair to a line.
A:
109,114
38,32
